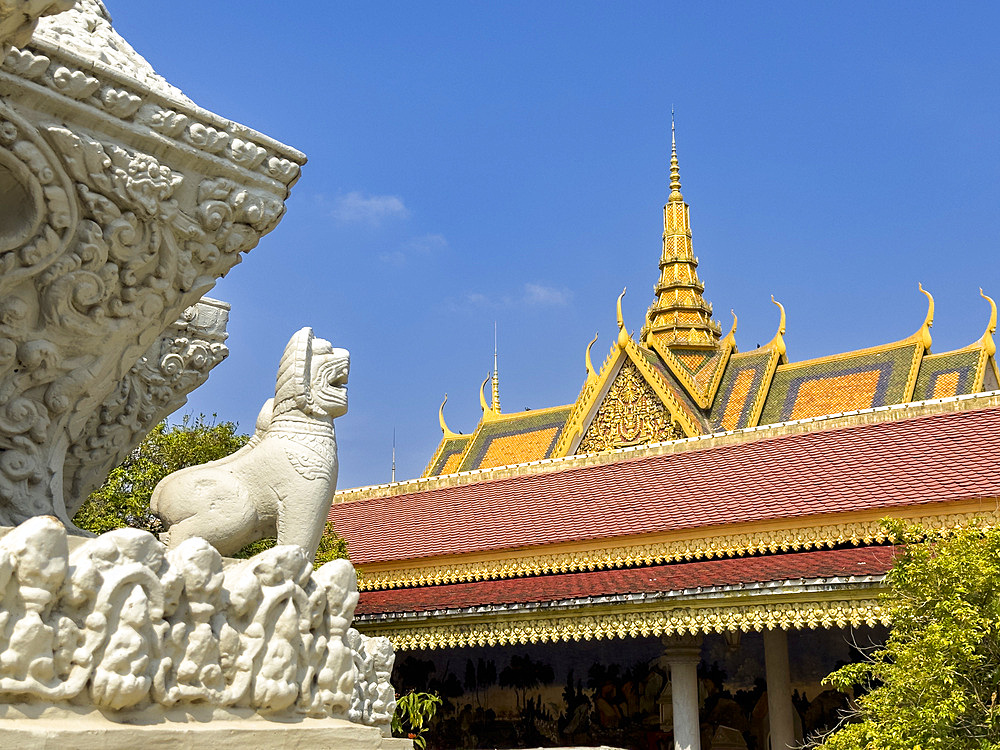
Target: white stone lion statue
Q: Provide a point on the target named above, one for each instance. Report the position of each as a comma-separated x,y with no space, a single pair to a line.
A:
282,482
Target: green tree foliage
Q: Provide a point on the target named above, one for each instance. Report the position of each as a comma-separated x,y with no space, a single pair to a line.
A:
332,546
934,686
123,500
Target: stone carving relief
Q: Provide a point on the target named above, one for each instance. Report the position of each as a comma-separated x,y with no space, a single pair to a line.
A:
126,626
124,203
18,19
156,386
99,254
630,414
282,482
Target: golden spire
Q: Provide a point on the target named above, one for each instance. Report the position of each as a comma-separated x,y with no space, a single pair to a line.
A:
675,169
680,316
496,375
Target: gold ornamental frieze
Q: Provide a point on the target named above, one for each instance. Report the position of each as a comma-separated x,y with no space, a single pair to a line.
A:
854,609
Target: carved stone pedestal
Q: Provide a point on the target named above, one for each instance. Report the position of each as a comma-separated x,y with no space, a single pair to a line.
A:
122,644
58,730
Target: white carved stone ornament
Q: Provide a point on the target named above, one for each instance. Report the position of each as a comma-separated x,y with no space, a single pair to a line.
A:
123,203
18,19
282,482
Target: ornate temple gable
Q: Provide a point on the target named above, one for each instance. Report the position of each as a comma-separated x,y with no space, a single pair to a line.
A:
630,414
633,384
861,379
450,450
679,316
969,370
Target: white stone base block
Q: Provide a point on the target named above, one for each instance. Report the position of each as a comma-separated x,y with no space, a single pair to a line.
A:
97,733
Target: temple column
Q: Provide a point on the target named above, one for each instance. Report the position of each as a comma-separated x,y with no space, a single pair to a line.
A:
779,689
682,656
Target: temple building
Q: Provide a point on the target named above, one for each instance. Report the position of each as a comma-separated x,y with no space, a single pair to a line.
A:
680,555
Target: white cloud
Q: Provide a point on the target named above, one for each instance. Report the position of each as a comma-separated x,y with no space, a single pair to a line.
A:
426,245
393,258
532,295
537,294
358,208
423,246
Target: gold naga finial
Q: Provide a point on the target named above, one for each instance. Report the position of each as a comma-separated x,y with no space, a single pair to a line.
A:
591,373
623,336
924,332
778,342
731,336
781,322
482,396
444,427
991,328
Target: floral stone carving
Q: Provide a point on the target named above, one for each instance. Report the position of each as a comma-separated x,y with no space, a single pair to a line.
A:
124,203
282,482
128,628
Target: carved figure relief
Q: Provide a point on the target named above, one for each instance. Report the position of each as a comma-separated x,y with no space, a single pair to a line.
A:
630,414
282,482
123,624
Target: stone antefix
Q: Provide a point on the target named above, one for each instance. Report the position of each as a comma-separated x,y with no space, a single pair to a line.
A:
282,482
123,203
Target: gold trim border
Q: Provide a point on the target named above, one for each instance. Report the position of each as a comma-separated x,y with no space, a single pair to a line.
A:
780,536
847,608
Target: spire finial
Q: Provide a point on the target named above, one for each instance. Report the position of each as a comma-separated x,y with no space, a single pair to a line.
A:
394,454
496,375
675,170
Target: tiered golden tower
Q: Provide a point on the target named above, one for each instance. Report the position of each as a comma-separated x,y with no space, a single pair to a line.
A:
680,316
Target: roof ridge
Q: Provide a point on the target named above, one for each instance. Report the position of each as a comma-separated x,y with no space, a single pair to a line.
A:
860,418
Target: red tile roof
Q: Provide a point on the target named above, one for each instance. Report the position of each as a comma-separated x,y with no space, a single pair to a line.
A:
658,578
939,458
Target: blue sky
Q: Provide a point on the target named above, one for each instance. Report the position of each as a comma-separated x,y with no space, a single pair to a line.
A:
475,162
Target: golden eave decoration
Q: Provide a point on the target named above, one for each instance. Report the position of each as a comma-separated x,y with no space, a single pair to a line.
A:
837,609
